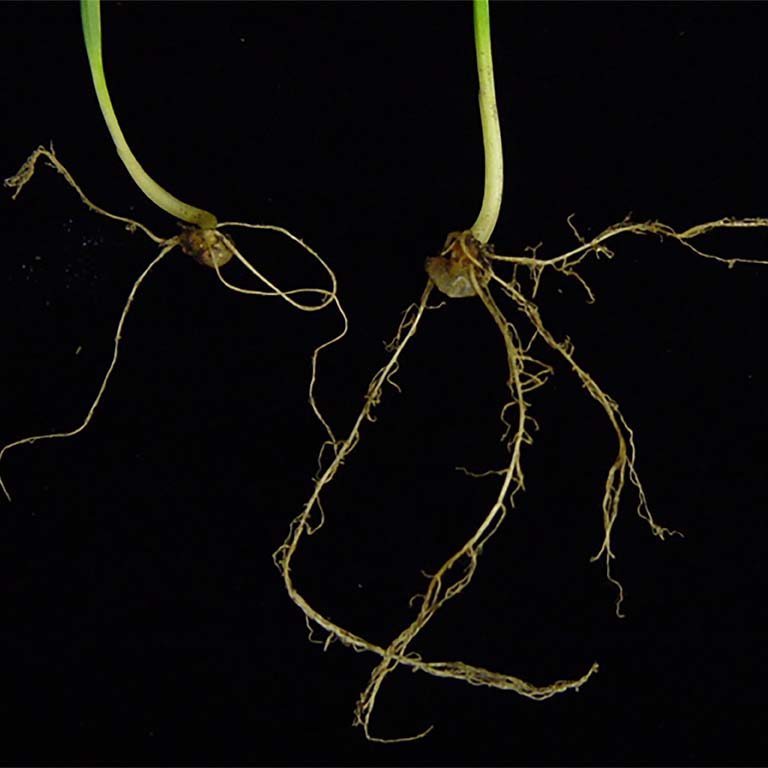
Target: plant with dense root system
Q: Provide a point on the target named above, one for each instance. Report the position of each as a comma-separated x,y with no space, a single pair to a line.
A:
468,266
201,234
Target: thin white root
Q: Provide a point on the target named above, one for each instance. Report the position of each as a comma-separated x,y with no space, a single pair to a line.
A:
103,386
326,296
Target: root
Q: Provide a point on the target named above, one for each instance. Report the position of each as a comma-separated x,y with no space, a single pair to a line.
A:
453,576
567,262
27,170
623,466
211,247
470,271
102,388
325,296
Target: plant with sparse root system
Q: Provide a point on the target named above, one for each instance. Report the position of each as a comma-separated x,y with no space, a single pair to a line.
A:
468,266
201,234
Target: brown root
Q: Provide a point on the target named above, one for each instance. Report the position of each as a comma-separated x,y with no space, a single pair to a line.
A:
466,268
209,247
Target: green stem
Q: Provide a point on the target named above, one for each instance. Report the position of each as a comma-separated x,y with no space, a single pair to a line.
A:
483,227
90,12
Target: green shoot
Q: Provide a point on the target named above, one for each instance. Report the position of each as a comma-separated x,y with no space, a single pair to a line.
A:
483,227
90,11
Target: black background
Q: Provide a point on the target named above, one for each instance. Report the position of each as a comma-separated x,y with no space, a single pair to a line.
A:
142,619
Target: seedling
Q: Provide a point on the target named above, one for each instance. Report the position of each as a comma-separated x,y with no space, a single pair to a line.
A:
201,235
469,267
